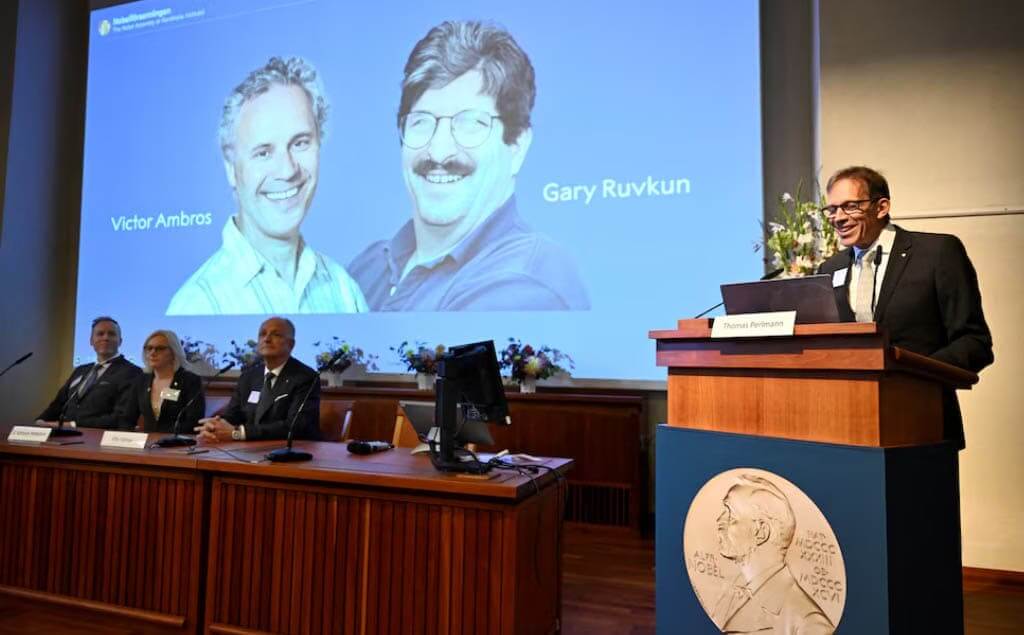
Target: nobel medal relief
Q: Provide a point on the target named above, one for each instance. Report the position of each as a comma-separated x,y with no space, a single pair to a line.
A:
761,557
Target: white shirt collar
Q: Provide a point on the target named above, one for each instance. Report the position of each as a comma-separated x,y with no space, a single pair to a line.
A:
885,238
276,372
108,362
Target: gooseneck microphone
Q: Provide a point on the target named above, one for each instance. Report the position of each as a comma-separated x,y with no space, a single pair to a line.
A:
287,454
15,363
767,276
60,430
874,279
177,439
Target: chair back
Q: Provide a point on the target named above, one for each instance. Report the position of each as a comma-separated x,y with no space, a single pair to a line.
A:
335,419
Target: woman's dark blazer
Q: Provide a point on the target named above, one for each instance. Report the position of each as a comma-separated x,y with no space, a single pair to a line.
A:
135,403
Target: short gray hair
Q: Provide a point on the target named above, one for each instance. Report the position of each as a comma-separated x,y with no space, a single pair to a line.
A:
291,71
175,345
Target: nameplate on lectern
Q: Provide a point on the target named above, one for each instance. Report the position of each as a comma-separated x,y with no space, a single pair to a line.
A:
771,324
118,439
29,434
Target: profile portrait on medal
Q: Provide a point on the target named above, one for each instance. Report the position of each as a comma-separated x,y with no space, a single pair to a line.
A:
464,127
271,129
755,529
762,558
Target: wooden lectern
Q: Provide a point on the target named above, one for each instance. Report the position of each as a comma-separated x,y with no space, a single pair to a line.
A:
854,422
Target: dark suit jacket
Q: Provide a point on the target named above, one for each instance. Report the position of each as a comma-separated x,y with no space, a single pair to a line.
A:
136,403
929,303
94,409
295,379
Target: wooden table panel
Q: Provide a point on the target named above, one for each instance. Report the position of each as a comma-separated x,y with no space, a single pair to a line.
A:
344,543
127,538
340,560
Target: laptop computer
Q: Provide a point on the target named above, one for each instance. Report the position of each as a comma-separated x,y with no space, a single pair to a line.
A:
421,415
812,297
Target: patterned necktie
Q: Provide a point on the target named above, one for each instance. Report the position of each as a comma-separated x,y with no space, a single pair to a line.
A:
266,397
866,288
90,379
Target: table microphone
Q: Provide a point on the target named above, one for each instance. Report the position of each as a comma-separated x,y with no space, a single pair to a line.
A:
16,362
60,430
287,454
767,276
177,439
368,447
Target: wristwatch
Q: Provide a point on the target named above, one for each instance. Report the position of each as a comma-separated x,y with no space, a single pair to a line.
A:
236,434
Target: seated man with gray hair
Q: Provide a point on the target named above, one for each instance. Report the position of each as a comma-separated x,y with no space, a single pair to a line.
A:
269,395
270,133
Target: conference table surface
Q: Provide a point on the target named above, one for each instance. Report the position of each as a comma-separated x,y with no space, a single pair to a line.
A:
365,535
331,463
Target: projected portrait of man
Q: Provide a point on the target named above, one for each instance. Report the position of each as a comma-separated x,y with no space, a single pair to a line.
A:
464,127
755,530
270,133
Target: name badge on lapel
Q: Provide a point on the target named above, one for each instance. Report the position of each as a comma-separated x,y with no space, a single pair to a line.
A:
170,394
254,396
839,277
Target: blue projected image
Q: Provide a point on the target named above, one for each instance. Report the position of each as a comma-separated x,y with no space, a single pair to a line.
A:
368,172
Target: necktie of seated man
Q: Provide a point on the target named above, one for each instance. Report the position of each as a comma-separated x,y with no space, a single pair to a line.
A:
90,379
865,287
266,397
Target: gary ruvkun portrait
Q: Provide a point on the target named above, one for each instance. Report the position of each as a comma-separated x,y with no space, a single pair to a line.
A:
464,129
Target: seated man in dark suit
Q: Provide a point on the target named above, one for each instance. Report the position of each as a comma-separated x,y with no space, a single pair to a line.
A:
90,395
268,395
921,288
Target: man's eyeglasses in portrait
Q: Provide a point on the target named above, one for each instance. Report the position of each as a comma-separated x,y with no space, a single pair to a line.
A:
470,128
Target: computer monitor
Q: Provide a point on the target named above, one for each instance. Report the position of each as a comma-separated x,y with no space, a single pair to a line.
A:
468,384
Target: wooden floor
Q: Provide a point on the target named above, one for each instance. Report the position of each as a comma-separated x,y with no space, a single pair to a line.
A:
608,589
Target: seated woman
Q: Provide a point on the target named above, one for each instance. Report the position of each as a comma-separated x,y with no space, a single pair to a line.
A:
165,392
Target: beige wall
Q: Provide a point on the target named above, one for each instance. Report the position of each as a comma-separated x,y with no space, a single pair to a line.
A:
932,94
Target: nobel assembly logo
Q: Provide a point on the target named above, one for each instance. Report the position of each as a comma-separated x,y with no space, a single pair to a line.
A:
104,27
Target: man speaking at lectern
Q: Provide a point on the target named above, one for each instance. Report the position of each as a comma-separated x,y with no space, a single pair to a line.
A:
920,287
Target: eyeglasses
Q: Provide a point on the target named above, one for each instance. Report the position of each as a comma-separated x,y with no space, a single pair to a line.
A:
470,128
155,349
851,208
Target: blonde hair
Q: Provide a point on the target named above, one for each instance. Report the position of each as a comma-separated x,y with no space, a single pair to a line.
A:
175,345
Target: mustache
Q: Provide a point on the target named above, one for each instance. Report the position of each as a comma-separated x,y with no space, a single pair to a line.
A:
451,166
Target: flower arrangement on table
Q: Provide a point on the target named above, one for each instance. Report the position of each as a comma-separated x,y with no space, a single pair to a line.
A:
244,357
526,364
201,355
800,238
421,359
344,356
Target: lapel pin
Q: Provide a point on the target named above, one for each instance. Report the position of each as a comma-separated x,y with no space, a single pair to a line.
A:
903,255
